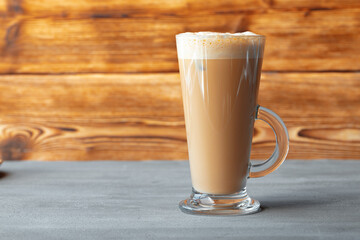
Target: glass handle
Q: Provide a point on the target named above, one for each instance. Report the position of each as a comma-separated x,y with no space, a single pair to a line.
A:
281,148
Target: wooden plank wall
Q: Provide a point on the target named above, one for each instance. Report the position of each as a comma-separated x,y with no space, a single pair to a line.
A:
89,79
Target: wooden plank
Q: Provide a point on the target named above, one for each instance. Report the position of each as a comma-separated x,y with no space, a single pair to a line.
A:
86,117
298,40
112,8
321,111
331,4
140,116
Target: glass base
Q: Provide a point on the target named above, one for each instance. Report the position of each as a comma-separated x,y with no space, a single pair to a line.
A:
238,203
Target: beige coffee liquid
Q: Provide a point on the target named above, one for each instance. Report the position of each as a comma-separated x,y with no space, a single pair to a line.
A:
220,99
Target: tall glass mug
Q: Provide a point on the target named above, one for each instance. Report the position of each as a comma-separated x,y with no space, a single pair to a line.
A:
220,75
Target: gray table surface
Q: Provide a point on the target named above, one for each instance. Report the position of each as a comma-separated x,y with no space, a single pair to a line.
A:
138,200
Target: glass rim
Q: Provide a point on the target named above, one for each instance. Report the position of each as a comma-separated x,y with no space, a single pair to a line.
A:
224,35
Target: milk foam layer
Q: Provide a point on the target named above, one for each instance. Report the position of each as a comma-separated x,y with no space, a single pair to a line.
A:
214,45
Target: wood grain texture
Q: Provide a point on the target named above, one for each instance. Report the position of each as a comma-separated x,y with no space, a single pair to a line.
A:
140,116
113,90
108,8
121,37
120,200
